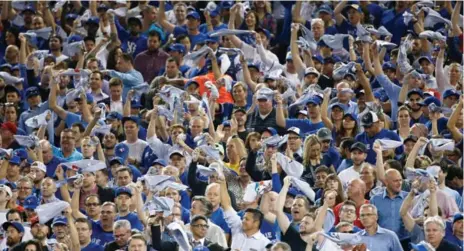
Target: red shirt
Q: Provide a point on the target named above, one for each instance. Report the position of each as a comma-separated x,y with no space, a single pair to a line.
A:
356,222
224,95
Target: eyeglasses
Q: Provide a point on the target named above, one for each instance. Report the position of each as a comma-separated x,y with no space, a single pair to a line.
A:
92,204
348,232
365,215
201,226
351,211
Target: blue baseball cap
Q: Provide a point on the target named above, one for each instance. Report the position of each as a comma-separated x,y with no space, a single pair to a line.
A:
271,130
416,91
389,66
226,123
15,160
21,153
354,6
134,119
212,39
318,58
74,38
160,162
215,12
60,220
32,91
252,65
115,160
201,248
123,190
457,217
429,100
451,92
193,14
6,65
226,4
266,32
71,16
313,100
177,47
324,8
428,58
351,115
114,115
191,82
102,7
12,88
121,150
29,8
17,225
339,105
31,202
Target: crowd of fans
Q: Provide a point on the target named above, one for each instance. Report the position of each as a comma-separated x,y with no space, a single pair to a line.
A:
251,125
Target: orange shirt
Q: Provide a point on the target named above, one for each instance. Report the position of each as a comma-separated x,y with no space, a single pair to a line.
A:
224,95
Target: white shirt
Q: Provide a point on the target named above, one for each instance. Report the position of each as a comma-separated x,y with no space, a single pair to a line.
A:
348,175
240,241
136,149
116,106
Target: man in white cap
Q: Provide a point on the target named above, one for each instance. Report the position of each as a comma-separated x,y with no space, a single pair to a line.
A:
5,196
38,173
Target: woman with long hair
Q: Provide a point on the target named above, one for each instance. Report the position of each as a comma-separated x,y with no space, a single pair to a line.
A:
332,182
450,79
312,158
32,245
404,119
265,19
235,149
113,58
252,140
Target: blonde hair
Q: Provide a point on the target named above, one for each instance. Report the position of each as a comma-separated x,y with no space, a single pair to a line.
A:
311,140
239,146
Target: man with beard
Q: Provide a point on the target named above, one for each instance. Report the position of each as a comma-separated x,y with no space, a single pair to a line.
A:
151,61
60,230
415,98
102,230
55,43
14,232
373,131
358,155
68,146
40,232
37,174
14,215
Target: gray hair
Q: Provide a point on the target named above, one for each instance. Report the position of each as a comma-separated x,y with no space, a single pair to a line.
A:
282,245
317,21
437,220
122,224
374,208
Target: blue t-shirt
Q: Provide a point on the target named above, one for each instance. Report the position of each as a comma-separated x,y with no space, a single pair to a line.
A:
217,217
99,236
394,23
369,142
194,39
93,247
204,27
52,165
133,218
305,125
347,28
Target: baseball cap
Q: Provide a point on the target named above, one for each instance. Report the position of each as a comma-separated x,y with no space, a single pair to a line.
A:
93,20
324,134
193,14
239,109
201,248
21,153
318,58
7,189
264,93
324,8
113,116
313,100
29,8
451,92
10,127
135,20
294,130
71,16
457,216
135,103
59,220
177,47
17,225
339,105
39,165
102,7
226,4
354,6
416,91
130,118
211,39
430,100
15,160
117,160
178,152
271,130
388,66
428,58
226,123
368,119
74,38
31,202
123,190
266,32
421,246
303,112
359,146
32,91
312,70
160,162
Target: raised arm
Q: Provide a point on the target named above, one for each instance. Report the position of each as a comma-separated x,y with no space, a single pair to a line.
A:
433,204
75,201
380,170
367,58
151,130
403,92
265,206
455,19
22,49
282,219
127,105
434,116
85,110
365,84
296,13
52,97
339,18
225,198
442,80
413,154
324,110
91,125
329,201
64,188
455,132
75,246
162,18
406,206
297,62
246,74
237,42
139,204
280,116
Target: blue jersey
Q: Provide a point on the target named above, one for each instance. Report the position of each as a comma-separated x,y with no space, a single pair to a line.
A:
99,236
218,218
93,247
133,218
194,39
369,142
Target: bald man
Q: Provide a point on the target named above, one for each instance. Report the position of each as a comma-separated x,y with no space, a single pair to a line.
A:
50,160
48,190
388,205
213,195
356,191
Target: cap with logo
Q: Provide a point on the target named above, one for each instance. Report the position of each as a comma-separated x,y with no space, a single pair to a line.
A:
123,190
359,146
324,134
368,119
